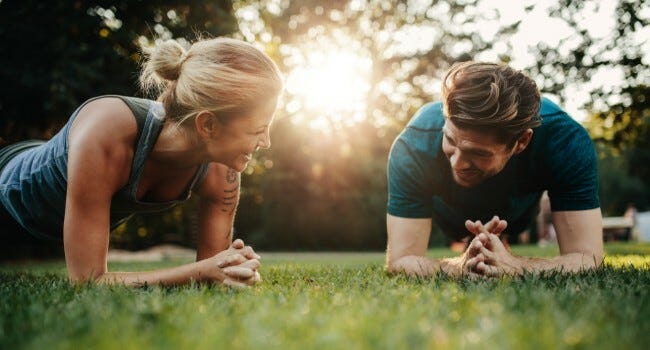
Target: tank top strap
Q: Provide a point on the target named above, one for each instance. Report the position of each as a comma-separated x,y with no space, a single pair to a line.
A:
200,176
151,129
140,109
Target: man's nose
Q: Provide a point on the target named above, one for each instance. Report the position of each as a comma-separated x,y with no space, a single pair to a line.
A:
458,161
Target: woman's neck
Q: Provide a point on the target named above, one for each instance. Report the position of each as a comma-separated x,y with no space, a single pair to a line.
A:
178,147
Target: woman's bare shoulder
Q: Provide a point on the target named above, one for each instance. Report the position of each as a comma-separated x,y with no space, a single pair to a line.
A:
105,119
103,134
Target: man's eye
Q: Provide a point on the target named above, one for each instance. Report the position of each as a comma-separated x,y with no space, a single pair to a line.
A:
449,140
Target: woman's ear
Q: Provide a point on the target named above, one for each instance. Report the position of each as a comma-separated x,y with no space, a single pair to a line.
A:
523,140
206,124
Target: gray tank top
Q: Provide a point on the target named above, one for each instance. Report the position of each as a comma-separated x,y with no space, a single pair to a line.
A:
33,182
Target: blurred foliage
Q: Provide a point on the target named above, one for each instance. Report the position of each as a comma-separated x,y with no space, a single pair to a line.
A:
56,54
323,186
622,134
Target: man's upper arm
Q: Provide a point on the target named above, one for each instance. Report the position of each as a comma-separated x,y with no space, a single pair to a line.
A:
409,183
406,236
573,170
580,231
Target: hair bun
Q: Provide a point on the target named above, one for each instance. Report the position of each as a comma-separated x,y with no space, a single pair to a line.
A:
167,60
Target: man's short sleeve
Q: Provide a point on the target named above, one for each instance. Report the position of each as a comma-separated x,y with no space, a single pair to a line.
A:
573,170
409,187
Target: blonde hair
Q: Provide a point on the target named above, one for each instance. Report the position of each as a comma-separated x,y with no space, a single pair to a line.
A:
224,76
491,97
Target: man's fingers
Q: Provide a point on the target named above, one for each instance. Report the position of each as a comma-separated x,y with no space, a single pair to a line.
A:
490,225
500,227
474,247
489,257
488,270
472,275
472,227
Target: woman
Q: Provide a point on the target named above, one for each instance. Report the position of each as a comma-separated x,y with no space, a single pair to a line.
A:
120,155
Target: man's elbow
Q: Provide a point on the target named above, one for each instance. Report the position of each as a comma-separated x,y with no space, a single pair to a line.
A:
597,259
392,265
408,265
590,260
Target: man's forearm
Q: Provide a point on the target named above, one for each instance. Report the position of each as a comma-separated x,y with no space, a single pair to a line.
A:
571,262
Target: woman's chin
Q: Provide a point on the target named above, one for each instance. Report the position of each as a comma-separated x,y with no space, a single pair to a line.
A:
240,166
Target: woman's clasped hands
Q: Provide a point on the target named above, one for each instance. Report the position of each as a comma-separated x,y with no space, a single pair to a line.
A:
236,266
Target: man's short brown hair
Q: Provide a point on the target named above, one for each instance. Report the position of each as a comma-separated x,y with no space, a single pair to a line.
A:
491,97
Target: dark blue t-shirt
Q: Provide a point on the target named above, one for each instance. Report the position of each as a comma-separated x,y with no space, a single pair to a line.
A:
560,158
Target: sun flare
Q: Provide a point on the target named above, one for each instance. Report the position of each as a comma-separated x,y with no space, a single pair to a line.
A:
330,90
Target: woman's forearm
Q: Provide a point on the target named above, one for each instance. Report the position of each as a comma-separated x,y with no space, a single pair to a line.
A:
184,274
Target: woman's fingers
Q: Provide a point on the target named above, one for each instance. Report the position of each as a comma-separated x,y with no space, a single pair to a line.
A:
238,280
246,251
239,272
237,244
232,259
252,264
233,283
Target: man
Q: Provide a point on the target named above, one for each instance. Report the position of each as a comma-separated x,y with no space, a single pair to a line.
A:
487,153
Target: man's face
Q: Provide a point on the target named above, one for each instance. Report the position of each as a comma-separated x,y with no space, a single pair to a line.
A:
474,156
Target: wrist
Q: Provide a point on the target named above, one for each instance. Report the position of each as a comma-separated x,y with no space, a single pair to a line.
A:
518,265
452,266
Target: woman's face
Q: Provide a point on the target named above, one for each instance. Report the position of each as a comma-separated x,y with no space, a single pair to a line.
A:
241,136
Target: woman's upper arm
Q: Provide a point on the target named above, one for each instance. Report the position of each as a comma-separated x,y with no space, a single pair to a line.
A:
220,187
99,156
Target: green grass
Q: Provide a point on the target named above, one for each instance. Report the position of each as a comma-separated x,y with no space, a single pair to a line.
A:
337,301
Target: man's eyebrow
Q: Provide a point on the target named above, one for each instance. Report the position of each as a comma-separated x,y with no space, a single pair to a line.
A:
477,151
446,134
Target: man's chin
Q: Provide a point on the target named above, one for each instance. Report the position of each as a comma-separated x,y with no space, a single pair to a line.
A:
466,182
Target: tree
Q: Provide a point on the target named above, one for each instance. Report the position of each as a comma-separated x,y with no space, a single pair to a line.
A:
623,135
613,67
58,54
326,188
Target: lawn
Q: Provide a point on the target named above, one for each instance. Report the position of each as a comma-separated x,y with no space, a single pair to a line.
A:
336,301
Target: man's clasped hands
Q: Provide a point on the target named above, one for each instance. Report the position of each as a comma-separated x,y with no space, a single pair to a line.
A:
486,254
